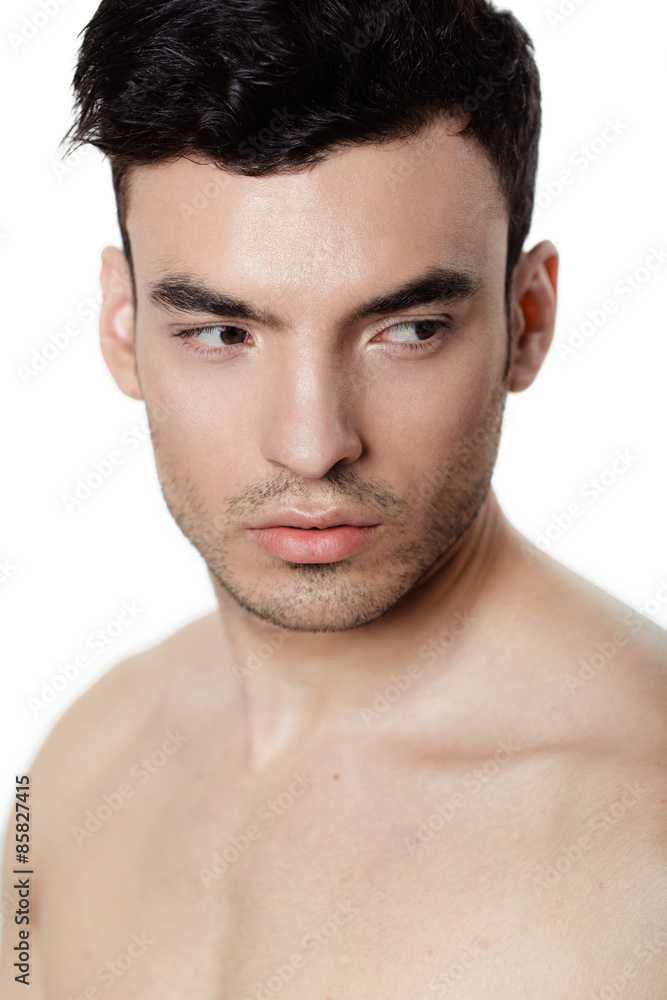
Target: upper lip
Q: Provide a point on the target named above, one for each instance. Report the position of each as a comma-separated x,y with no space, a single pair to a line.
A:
293,518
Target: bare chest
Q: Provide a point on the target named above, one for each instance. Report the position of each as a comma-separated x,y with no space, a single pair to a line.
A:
407,885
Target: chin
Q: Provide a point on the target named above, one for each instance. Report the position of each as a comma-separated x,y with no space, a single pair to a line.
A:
316,607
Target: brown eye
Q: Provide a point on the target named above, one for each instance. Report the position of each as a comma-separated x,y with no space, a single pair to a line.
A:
211,337
424,330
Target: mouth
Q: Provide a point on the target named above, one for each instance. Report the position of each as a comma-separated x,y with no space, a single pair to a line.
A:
316,544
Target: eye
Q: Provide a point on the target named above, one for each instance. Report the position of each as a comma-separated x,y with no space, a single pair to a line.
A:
217,341
210,336
416,334
222,338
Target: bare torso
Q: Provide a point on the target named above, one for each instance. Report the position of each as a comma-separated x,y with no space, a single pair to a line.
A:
511,851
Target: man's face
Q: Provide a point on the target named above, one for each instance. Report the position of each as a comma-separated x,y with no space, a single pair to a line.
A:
312,408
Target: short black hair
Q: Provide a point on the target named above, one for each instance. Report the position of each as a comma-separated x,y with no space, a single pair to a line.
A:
157,79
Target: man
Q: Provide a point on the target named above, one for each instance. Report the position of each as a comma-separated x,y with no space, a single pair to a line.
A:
411,756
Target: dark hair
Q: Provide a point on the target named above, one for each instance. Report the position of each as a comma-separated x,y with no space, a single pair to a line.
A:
203,78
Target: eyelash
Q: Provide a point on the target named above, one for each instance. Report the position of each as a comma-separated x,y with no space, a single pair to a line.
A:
206,350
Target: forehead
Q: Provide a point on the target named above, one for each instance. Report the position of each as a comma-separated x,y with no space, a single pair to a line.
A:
361,211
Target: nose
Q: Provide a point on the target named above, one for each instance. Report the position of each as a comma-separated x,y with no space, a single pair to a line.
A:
309,417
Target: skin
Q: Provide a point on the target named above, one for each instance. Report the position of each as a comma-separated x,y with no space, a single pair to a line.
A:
435,666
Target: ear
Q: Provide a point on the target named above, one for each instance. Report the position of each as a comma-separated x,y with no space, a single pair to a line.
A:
117,322
533,298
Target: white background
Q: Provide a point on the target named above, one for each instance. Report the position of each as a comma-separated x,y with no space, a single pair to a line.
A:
70,573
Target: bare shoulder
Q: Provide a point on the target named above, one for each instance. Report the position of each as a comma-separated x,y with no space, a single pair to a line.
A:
601,649
596,673
124,711
599,670
603,701
131,698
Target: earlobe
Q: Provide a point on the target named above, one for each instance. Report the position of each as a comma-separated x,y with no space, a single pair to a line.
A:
534,293
117,333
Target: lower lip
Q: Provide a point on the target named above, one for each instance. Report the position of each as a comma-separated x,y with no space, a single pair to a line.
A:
313,545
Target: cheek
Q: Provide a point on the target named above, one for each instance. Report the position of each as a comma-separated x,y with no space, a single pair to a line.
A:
199,420
200,441
203,449
421,419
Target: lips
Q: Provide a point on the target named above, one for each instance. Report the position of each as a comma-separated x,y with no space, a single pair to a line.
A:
326,535
332,518
314,545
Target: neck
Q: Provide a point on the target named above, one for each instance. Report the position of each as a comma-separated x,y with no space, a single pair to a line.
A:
291,683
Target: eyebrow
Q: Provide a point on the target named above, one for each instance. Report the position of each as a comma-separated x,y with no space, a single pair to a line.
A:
184,293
